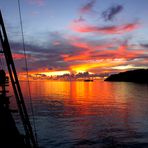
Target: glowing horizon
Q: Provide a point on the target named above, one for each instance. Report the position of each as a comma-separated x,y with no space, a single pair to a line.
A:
91,36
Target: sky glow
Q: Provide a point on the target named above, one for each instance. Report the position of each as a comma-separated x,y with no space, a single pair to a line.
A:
71,36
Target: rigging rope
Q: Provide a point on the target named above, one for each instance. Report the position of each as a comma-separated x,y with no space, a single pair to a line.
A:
2,65
27,73
1,58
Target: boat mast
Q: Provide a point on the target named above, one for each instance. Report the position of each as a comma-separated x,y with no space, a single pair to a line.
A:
15,84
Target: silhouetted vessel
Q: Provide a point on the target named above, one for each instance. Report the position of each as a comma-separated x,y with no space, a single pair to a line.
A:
9,134
138,76
88,80
10,137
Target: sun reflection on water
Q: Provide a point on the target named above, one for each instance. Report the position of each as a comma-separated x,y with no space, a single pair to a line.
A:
94,113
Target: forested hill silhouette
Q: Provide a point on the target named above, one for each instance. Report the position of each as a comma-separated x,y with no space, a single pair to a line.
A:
139,76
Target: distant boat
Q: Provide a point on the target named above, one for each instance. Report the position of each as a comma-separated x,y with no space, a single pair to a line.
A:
88,80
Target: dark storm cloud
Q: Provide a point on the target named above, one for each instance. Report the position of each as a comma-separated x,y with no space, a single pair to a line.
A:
111,12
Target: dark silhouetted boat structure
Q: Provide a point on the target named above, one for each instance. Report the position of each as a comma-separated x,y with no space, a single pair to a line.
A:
88,80
9,134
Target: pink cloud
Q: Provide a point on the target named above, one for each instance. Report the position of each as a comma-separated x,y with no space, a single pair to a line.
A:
83,27
18,56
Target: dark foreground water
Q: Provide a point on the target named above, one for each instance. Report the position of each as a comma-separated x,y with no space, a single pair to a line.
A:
89,114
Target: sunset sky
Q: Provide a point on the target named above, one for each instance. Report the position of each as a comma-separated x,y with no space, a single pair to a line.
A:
61,36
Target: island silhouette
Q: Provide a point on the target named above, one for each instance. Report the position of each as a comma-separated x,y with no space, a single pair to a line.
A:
138,76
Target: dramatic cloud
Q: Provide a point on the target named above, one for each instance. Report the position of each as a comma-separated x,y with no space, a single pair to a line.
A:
44,57
111,12
87,8
103,56
83,27
76,54
103,51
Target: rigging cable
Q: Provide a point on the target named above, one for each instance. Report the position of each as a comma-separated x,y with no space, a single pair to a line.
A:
2,65
1,58
26,66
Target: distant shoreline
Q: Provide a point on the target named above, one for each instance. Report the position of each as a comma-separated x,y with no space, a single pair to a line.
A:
138,76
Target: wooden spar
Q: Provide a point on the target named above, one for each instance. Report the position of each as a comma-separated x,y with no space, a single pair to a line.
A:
15,84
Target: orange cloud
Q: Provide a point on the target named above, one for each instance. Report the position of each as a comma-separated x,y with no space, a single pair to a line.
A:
83,27
86,52
89,46
100,56
97,64
91,51
81,56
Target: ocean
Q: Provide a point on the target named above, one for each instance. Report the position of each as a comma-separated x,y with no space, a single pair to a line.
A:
80,114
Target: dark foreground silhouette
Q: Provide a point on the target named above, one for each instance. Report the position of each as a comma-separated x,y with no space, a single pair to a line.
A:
138,76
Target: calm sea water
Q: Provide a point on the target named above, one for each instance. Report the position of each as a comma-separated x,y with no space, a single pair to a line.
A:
89,114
